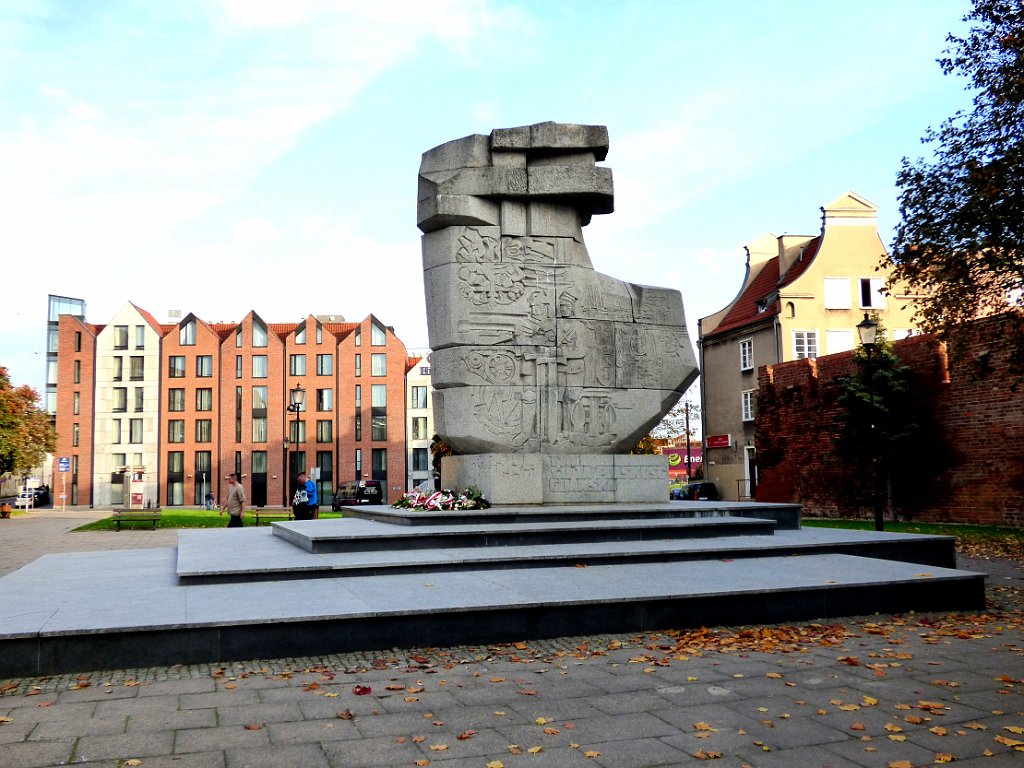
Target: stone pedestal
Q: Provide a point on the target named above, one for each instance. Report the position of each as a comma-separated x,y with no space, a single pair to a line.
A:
537,478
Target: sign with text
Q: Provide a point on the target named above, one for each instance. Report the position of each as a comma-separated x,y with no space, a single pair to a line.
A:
64,464
719,441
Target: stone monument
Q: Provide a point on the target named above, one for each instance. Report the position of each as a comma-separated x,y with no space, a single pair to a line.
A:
545,372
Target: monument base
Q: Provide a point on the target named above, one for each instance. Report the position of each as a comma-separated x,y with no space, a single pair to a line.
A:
541,478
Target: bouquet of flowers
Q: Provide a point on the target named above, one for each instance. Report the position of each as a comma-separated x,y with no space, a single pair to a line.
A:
470,498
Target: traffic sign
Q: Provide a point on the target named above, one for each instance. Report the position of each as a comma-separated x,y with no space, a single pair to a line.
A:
63,464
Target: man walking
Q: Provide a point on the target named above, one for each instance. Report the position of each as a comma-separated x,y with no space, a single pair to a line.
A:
235,504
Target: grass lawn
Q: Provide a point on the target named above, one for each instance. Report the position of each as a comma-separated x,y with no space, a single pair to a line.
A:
980,540
187,518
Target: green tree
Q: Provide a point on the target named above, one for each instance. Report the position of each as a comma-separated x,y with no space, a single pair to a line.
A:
885,422
961,239
26,435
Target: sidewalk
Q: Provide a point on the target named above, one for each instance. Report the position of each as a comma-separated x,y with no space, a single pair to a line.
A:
875,691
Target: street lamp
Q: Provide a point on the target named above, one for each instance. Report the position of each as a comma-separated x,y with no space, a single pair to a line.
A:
298,397
867,329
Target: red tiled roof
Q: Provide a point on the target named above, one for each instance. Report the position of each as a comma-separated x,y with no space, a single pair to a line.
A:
798,267
341,330
745,311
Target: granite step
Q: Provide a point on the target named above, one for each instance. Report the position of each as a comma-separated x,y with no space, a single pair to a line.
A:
786,516
360,535
76,612
256,554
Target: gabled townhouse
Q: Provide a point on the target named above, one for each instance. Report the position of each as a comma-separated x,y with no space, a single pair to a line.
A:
802,296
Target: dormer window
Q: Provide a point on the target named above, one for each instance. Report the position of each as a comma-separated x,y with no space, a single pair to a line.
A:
762,306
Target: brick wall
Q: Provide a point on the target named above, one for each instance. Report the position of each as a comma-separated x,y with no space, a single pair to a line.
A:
976,402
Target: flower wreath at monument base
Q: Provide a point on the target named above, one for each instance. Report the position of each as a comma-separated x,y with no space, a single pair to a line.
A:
470,498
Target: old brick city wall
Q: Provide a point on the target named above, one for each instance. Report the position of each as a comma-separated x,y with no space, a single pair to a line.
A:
975,399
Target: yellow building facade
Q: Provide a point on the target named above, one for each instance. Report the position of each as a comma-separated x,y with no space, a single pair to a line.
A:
802,297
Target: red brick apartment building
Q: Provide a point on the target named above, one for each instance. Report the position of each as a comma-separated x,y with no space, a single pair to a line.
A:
176,407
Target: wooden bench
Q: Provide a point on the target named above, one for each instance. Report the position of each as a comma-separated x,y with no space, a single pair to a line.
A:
273,514
136,516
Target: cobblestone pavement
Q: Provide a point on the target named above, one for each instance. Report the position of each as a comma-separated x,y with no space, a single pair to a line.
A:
883,691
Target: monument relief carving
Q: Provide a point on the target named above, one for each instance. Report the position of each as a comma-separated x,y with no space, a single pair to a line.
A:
534,351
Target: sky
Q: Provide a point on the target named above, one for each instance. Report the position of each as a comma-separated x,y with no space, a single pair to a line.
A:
222,156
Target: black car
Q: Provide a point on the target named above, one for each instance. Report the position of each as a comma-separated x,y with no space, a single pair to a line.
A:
701,492
42,495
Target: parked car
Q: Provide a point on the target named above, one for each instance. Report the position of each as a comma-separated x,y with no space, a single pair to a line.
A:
25,500
357,492
42,495
701,492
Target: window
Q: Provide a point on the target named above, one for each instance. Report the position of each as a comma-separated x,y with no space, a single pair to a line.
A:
176,431
187,334
419,428
238,416
359,395
120,404
300,335
420,462
379,459
297,365
379,395
238,340
74,435
118,368
52,340
324,430
424,370
259,429
204,399
135,431
78,371
176,366
259,462
746,354
119,460
78,341
120,337
325,399
319,333
871,296
358,337
175,462
359,365
747,405
204,461
379,427
378,338
204,430
176,400
378,364
140,399
259,334
140,337
259,399
238,366
419,397
297,431
324,365
805,344
204,366
137,367
76,403
259,366
359,462
359,426
837,293
838,341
